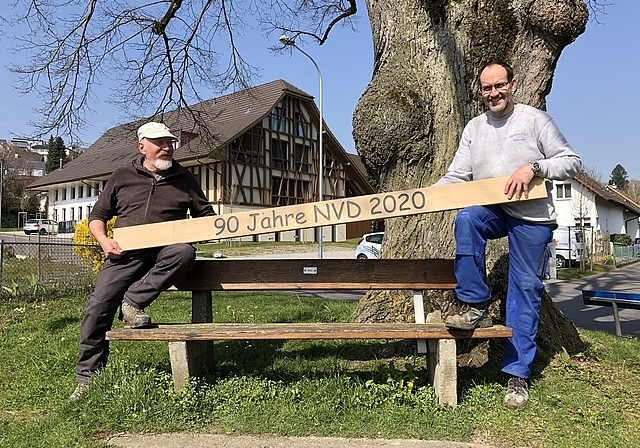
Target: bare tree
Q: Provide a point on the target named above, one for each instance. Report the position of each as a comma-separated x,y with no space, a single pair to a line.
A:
633,190
581,208
593,173
158,56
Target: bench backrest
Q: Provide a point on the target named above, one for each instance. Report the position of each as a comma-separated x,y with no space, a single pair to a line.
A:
339,274
605,298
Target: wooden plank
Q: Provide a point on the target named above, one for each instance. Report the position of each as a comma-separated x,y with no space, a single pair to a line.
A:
317,214
338,274
283,331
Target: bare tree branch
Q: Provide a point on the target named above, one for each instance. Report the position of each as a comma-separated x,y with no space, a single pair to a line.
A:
597,8
157,56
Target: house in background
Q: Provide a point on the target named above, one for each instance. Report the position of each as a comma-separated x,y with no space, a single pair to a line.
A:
602,209
262,151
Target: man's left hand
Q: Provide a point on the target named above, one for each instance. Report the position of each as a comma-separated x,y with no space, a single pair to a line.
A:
518,183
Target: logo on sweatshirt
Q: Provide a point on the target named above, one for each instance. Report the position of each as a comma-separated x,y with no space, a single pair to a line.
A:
519,137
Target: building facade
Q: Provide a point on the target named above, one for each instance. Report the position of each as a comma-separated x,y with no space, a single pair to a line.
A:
259,150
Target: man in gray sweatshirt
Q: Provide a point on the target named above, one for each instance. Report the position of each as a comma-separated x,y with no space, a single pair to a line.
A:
521,142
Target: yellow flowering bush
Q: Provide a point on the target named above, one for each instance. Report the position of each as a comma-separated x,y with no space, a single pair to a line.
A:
86,247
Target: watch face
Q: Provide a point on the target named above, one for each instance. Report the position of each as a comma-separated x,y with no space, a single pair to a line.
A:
535,166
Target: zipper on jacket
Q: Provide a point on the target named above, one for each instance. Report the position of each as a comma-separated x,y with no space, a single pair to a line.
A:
153,189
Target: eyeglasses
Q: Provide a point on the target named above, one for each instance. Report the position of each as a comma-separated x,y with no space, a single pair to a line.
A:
500,87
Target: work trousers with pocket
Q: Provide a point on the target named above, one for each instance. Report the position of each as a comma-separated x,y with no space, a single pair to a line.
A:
138,277
528,258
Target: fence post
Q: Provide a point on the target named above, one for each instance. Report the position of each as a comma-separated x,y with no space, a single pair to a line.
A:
1,260
39,258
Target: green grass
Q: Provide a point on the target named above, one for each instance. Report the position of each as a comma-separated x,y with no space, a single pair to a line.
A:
576,273
324,388
239,248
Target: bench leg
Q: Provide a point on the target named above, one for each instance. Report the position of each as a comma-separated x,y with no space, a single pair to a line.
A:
193,358
443,370
418,312
189,358
616,317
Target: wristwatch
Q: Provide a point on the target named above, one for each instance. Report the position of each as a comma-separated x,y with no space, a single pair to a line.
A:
535,167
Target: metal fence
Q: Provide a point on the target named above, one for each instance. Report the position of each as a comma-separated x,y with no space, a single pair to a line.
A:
42,262
625,254
600,249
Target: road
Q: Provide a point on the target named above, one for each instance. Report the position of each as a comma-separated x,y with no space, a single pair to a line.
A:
567,296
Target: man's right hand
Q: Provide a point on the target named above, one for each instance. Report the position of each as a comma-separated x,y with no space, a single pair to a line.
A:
111,248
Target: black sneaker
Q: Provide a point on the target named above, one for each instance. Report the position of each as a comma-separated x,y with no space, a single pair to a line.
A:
469,317
517,392
134,316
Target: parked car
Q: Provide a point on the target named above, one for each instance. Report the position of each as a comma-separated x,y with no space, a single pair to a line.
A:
369,245
569,251
41,226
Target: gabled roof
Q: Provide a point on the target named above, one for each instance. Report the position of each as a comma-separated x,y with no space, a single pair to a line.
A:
608,193
227,116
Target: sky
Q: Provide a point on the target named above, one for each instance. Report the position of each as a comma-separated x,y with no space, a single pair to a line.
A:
595,98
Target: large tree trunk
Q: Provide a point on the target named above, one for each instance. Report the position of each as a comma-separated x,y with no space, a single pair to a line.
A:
408,122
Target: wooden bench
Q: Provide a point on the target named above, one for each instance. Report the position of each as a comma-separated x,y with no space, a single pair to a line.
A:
613,299
191,345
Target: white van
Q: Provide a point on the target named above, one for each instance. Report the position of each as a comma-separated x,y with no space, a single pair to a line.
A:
569,250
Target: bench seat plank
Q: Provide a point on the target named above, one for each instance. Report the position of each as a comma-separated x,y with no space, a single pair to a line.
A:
281,331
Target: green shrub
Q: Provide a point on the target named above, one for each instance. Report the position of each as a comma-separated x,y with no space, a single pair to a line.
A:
621,239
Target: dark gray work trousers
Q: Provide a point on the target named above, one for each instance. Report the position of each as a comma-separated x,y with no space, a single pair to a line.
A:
138,277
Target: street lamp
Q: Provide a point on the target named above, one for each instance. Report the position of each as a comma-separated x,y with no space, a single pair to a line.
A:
289,42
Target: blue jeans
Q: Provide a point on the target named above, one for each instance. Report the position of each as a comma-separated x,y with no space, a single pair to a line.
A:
528,257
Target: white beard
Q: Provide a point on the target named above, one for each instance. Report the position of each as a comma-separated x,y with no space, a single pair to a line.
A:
161,165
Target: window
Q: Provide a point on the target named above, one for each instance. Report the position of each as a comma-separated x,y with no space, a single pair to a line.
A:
301,124
64,194
563,191
73,192
301,158
79,213
55,195
586,221
288,191
278,117
279,154
249,148
81,191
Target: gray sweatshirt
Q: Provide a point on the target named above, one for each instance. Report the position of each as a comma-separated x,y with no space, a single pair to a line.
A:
495,147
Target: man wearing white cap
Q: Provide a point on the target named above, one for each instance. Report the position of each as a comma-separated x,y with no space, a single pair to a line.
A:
152,188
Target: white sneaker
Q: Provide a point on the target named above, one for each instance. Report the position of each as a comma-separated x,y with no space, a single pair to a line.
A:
80,390
517,393
134,316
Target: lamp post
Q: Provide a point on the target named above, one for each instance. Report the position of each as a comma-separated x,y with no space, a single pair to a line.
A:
288,41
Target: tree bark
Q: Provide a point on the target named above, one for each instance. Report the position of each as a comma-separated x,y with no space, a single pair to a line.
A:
407,123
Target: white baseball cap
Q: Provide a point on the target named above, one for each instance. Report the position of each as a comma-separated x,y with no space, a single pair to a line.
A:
154,130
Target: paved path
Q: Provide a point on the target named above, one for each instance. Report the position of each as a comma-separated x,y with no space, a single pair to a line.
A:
232,441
